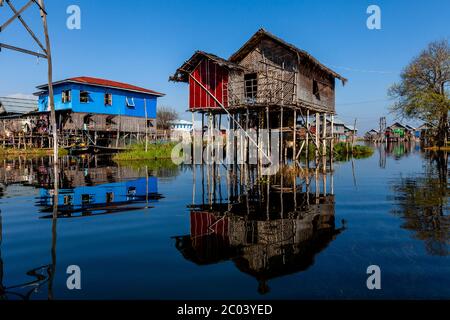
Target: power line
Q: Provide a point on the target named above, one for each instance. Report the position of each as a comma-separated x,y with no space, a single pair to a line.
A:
362,70
363,102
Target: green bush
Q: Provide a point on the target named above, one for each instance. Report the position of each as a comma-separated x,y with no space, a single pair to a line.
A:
359,151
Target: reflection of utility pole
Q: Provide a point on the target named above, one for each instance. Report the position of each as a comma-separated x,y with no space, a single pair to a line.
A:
46,54
2,288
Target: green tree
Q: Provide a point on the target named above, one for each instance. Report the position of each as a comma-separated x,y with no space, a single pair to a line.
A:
423,91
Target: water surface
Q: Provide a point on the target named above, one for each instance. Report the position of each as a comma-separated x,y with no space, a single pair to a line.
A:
155,231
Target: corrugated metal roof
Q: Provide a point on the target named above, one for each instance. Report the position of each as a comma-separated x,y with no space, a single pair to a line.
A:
104,83
18,105
182,73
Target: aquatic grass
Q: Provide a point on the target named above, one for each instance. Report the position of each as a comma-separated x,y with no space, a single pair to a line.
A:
160,150
31,152
358,151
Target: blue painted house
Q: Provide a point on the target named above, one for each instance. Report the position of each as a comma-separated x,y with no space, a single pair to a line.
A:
102,110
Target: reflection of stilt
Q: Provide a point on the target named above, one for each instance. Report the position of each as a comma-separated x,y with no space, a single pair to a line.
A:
147,190
52,268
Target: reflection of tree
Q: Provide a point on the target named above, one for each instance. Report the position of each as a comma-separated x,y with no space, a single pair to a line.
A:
423,203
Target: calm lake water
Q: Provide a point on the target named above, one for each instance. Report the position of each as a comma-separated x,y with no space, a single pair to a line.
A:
144,232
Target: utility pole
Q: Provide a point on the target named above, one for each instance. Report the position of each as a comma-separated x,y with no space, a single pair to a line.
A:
46,55
382,128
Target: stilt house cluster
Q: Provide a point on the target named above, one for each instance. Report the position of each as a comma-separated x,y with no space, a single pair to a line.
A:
89,111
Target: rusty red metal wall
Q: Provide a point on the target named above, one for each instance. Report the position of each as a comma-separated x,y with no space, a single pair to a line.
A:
215,79
205,223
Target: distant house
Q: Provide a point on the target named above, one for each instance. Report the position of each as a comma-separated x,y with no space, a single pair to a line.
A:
341,131
350,130
182,125
180,129
372,134
401,132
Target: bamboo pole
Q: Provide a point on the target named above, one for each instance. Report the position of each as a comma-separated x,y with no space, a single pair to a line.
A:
50,81
307,136
146,125
317,134
332,138
324,134
294,152
282,135
193,139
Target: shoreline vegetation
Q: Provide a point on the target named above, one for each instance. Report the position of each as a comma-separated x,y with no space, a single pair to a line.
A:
155,151
163,151
359,151
32,152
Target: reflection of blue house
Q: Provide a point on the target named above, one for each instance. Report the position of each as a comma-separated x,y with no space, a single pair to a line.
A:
100,105
103,196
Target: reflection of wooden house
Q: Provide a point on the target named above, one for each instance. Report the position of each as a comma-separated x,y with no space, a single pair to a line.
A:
83,187
262,246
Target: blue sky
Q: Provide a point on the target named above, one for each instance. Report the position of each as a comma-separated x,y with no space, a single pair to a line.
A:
143,42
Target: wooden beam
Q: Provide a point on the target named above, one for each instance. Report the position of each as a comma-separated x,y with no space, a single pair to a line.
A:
294,151
9,47
27,27
17,14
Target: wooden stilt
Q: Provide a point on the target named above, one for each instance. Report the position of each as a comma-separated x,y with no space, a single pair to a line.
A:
324,135
282,136
294,152
307,136
332,139
317,134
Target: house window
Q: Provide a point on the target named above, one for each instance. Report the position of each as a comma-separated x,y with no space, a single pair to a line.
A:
109,121
130,102
150,124
316,91
85,199
131,192
109,197
251,86
84,97
68,200
108,99
66,96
